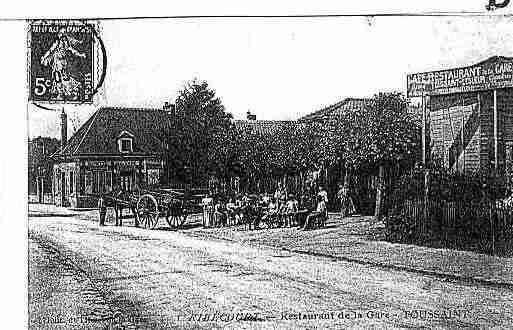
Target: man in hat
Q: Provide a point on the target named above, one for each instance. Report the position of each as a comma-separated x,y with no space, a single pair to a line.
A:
102,209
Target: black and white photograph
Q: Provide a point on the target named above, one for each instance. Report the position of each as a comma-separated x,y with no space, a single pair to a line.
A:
307,170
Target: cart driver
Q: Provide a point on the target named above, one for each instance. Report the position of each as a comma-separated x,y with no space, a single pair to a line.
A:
102,209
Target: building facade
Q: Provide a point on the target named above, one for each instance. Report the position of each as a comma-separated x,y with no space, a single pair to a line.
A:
116,149
468,116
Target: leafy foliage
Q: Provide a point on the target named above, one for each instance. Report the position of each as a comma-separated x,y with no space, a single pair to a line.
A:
39,162
202,133
288,149
382,132
205,139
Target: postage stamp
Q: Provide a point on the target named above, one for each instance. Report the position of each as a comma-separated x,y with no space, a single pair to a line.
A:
61,63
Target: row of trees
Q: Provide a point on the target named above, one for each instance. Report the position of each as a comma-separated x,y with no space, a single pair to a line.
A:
381,134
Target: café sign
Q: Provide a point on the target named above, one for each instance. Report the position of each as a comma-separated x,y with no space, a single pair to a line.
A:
105,164
496,72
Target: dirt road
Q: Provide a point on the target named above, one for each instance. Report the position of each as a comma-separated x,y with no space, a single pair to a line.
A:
167,279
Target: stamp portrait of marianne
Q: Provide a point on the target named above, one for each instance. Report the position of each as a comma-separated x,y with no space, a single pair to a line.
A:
61,62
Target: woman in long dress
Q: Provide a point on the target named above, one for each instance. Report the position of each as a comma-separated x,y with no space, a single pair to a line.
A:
64,86
208,211
347,207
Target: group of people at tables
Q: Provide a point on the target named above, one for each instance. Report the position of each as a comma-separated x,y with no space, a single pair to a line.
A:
280,209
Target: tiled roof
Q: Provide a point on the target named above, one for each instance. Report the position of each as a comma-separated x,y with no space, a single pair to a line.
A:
98,135
335,109
263,126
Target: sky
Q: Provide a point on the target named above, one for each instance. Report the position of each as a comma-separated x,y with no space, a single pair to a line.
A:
278,68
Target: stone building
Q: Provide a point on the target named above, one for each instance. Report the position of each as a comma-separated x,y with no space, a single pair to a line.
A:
115,149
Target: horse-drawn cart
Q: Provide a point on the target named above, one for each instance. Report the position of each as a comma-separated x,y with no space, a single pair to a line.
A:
148,206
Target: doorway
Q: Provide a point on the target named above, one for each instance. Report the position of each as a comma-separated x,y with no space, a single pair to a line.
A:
64,196
126,180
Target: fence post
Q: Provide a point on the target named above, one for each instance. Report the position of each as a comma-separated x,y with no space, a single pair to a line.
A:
380,191
426,200
492,226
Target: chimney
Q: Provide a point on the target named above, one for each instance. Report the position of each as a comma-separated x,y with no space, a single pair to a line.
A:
250,116
64,129
169,107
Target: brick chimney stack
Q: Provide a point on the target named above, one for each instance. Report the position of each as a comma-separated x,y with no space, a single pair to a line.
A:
64,129
169,107
250,116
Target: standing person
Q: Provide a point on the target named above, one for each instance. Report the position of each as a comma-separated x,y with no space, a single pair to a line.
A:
342,195
324,194
102,209
208,210
346,201
280,193
266,199
292,208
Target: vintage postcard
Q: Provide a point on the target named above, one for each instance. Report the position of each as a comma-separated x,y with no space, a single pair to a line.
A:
303,171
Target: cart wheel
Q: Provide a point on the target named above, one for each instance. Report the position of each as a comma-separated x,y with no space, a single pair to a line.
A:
175,215
147,211
176,220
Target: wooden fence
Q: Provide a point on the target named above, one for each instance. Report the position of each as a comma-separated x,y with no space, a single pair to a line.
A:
462,221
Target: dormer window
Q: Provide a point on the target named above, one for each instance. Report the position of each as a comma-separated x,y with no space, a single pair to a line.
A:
125,142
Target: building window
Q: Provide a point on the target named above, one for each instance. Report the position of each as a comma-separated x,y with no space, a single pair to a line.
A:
56,182
125,145
95,182
71,182
125,142
101,182
153,176
108,181
81,183
88,182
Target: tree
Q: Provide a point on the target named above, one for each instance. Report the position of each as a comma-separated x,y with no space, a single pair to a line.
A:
201,136
285,149
254,152
39,162
380,134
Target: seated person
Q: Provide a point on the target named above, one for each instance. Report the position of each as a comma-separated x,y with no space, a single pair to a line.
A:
266,198
272,210
245,199
307,206
318,214
220,213
231,209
